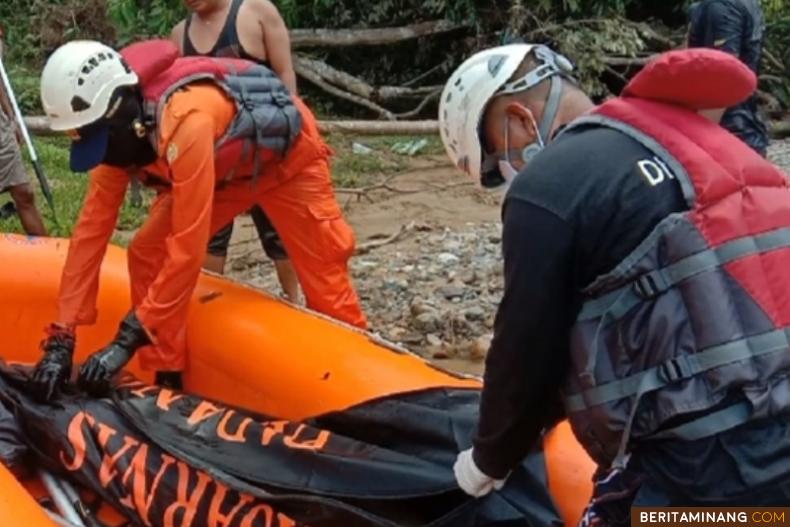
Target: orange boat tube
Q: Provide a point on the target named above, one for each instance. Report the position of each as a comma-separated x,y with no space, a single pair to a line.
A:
250,350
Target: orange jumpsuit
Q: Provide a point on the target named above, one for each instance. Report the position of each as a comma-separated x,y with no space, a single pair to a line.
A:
166,254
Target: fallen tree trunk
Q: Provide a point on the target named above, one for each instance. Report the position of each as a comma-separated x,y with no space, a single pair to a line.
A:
627,61
303,38
317,79
308,68
39,125
380,127
780,129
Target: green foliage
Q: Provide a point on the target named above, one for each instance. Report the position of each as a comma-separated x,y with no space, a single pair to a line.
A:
68,189
585,30
364,13
609,38
776,61
137,19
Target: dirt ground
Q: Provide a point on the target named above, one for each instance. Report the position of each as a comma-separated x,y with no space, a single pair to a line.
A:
434,288
410,287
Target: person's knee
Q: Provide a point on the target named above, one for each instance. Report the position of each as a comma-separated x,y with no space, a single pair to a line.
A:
143,246
23,196
332,236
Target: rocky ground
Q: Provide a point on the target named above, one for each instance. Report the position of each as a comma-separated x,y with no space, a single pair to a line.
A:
435,288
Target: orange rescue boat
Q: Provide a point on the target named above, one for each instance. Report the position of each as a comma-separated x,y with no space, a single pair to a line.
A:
286,361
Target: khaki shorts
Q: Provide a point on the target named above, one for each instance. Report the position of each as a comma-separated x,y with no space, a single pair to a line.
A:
12,170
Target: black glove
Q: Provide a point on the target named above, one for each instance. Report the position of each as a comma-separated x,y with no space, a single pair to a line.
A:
169,379
54,369
97,372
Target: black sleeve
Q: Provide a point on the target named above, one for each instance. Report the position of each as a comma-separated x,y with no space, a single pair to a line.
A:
719,25
529,356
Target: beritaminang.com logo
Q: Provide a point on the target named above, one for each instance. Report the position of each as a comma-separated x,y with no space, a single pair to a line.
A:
710,516
693,517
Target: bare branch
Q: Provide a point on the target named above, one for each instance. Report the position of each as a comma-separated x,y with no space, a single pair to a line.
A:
430,97
380,127
362,192
353,84
399,92
627,61
339,78
775,62
316,79
425,75
780,129
302,38
367,247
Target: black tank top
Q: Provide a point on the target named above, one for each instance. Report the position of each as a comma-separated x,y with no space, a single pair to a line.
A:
227,44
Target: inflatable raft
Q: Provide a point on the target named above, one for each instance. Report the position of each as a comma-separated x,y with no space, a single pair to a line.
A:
246,349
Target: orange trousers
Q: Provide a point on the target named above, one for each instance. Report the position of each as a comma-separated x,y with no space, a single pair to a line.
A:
303,210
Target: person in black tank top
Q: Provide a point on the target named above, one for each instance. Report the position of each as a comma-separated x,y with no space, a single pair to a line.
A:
228,44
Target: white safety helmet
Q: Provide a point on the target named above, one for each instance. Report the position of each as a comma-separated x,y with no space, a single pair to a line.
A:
78,81
472,86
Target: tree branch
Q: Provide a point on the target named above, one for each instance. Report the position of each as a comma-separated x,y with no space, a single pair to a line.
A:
346,81
39,125
380,127
425,75
627,61
316,79
368,246
775,62
430,97
355,85
780,129
302,38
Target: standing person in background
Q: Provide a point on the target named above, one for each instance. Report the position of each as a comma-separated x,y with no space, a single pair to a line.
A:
13,177
252,30
735,27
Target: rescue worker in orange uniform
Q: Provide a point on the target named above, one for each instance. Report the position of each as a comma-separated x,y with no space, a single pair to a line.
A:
185,125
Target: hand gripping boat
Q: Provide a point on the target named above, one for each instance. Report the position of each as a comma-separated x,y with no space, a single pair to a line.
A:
288,419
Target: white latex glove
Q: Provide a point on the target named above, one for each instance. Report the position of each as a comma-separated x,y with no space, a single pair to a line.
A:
471,479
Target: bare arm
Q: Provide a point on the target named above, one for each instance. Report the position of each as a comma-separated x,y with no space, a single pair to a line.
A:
277,44
177,35
5,102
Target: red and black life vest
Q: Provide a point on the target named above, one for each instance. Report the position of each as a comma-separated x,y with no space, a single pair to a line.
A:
268,121
689,335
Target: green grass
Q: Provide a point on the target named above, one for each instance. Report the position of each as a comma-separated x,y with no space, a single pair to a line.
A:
357,170
68,190
348,170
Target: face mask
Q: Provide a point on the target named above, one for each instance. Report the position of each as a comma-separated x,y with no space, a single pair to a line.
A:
126,149
128,145
506,168
542,131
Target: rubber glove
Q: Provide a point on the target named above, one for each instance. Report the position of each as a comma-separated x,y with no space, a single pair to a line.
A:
97,372
169,379
471,479
54,369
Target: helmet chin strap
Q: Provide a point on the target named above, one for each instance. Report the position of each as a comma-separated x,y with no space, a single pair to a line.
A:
550,111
